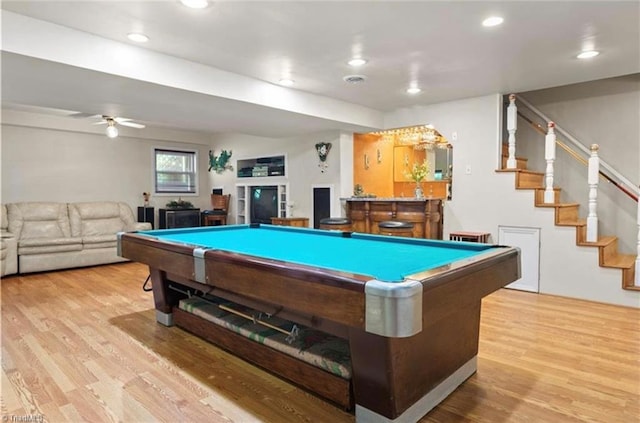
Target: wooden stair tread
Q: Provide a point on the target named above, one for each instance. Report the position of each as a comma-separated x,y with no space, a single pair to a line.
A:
579,222
601,242
557,204
527,171
621,261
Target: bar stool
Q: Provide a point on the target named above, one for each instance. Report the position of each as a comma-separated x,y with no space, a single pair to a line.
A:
396,228
336,224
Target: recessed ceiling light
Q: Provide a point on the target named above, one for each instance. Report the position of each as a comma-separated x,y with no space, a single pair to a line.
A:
137,37
357,61
588,54
195,4
413,90
286,82
492,21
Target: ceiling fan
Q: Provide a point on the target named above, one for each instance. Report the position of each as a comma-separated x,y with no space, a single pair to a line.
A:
110,121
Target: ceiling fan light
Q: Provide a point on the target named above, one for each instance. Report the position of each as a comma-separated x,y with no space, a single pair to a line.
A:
112,131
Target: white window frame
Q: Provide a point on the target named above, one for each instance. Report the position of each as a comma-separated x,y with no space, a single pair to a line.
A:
154,172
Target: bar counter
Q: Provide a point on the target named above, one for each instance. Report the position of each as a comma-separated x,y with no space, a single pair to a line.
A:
426,214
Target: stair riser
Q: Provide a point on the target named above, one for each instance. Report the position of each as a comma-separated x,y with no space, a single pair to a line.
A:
566,215
529,180
520,163
607,252
540,196
581,234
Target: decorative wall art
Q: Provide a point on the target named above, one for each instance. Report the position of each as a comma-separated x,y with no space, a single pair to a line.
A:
220,163
323,149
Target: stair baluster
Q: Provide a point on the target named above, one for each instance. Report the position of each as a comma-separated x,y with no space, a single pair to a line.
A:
512,126
592,180
550,156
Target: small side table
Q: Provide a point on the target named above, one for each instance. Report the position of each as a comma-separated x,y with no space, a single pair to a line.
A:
482,237
301,222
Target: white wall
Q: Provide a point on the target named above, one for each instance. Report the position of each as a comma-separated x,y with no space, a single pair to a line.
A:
55,159
484,199
301,161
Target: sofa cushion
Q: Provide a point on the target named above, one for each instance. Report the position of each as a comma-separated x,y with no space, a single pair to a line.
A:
100,241
100,218
38,220
96,218
4,221
48,245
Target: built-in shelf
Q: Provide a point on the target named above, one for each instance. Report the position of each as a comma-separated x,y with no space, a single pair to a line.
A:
260,167
244,201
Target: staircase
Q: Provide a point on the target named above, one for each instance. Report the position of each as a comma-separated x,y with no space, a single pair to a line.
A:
566,214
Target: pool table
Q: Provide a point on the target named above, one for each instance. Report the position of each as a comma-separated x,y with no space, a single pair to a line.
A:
409,308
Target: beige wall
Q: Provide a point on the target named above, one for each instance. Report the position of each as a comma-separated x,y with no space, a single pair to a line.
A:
302,166
41,163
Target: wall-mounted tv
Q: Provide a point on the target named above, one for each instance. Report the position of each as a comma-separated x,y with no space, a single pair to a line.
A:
264,203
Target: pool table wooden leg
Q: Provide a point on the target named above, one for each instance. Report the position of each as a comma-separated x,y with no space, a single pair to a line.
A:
161,297
402,379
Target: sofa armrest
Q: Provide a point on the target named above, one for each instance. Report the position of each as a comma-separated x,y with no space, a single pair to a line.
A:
141,226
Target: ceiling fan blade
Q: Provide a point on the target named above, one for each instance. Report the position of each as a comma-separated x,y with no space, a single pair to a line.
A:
121,119
132,124
82,115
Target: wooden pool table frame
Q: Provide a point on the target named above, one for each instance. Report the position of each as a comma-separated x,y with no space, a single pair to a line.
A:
395,379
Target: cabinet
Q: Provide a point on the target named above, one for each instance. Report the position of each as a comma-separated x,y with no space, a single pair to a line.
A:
146,214
244,203
178,218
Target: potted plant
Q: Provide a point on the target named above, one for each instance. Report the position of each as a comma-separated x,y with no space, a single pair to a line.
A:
418,173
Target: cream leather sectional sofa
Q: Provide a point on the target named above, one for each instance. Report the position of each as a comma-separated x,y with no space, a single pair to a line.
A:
41,236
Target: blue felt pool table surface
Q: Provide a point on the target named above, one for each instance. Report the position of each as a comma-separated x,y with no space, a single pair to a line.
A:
387,259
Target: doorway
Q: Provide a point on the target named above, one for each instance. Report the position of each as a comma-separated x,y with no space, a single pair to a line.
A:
321,202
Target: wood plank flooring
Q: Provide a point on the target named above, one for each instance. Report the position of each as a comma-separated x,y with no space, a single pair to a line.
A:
83,346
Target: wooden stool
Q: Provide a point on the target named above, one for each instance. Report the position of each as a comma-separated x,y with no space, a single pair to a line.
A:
336,224
396,228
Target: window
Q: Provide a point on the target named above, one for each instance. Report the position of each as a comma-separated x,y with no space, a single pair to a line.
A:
175,172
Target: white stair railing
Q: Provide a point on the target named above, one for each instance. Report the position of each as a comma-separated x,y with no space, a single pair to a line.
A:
512,126
592,180
549,156
625,183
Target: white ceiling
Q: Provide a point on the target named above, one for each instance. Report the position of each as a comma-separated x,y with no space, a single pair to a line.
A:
233,52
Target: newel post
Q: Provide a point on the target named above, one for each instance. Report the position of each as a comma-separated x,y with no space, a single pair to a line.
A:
512,126
592,180
549,156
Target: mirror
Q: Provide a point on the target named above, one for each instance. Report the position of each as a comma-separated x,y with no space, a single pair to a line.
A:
440,158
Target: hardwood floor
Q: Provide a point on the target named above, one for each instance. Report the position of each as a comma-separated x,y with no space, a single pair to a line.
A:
83,345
